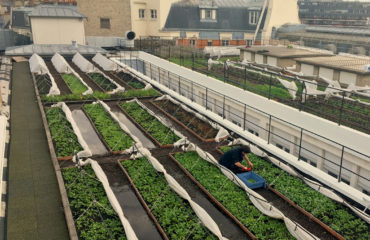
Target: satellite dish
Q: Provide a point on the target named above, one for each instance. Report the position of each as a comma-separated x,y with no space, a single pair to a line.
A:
130,35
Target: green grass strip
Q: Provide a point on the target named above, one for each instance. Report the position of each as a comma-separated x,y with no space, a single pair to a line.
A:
174,214
108,128
160,132
62,133
335,215
86,215
233,198
74,83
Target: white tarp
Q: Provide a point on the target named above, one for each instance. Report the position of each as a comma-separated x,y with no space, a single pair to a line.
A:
314,185
222,51
37,65
290,86
54,90
86,152
62,66
83,63
130,234
105,63
258,201
174,185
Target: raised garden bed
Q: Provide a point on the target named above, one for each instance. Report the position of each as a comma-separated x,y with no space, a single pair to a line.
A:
62,133
335,215
136,84
104,83
43,83
174,214
93,220
233,198
101,96
116,139
199,128
76,86
159,133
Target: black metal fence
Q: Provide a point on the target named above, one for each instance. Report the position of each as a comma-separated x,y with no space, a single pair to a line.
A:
185,87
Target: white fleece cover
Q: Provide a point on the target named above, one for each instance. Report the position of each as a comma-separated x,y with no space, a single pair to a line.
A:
105,63
86,152
130,234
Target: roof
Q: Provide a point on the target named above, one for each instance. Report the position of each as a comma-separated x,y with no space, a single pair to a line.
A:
284,52
232,15
56,11
51,49
339,30
338,62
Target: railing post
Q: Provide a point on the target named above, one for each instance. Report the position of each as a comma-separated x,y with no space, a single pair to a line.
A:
341,165
245,77
159,75
179,85
268,138
151,74
341,110
223,108
245,116
206,98
224,71
270,86
169,51
137,66
300,145
192,92
193,59
168,78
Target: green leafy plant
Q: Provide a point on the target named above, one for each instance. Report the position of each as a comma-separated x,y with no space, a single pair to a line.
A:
74,83
233,198
107,85
153,126
173,213
136,84
108,128
331,213
94,220
64,138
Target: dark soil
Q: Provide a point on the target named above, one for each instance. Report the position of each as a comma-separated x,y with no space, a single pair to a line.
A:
62,85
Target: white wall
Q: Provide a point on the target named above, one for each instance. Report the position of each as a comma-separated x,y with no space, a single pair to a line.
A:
57,30
247,55
347,78
307,69
326,73
272,61
259,58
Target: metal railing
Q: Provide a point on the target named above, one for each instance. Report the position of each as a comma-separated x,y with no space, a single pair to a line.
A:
185,87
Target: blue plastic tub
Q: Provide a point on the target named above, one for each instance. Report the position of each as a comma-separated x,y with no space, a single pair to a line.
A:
252,180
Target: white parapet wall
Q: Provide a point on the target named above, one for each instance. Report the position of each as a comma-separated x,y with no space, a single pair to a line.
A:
248,115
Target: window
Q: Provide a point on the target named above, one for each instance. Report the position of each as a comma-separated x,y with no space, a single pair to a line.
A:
192,42
141,13
253,17
225,42
332,174
366,192
209,43
105,23
153,13
345,181
208,14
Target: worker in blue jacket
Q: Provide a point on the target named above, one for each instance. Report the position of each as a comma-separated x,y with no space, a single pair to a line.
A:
232,160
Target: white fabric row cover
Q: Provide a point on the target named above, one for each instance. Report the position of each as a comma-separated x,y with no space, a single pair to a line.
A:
83,63
222,51
222,132
315,185
130,234
86,152
105,63
258,201
204,217
37,65
62,66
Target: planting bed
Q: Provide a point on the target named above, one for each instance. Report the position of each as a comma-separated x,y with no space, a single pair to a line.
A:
335,215
62,86
173,213
113,135
104,83
93,220
64,138
162,135
76,86
203,130
131,81
232,197
93,85
43,83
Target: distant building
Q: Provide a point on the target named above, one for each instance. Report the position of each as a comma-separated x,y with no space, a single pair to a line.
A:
202,23
114,18
335,12
56,25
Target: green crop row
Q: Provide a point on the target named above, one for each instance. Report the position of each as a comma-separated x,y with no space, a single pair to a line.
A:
153,126
74,83
335,215
82,189
136,84
233,198
108,128
62,133
101,96
173,213
102,81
